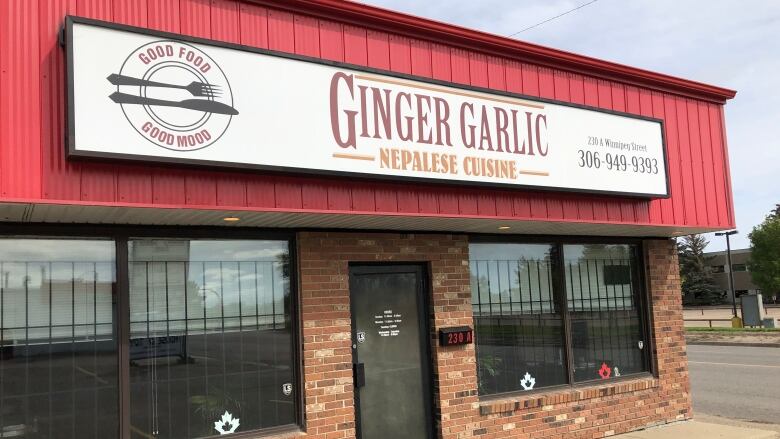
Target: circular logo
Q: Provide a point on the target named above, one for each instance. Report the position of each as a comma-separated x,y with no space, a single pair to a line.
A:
174,95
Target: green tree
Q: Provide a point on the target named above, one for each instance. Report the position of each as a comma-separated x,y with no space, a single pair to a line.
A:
776,212
698,285
764,264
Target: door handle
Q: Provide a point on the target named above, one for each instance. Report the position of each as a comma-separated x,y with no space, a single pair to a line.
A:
359,374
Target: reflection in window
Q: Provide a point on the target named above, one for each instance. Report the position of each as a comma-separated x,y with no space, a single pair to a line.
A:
58,355
210,332
605,321
518,326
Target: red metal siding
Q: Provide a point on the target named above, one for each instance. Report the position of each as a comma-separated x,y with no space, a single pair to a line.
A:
20,111
32,115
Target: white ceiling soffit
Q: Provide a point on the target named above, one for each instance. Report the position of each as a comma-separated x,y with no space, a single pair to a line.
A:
61,213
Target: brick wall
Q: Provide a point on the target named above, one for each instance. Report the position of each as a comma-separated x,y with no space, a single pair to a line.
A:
591,412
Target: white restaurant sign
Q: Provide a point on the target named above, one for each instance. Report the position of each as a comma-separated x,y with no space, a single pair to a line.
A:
141,95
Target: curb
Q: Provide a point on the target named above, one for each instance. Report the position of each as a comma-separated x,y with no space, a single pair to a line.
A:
726,343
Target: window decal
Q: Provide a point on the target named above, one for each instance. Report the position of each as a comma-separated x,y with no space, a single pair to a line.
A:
605,372
228,422
528,382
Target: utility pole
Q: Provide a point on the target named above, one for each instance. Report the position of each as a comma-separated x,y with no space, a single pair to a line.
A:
728,261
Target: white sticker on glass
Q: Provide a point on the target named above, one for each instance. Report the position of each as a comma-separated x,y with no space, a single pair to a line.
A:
287,389
528,382
388,323
226,424
361,337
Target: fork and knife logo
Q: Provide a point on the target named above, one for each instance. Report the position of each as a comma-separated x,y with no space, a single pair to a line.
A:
174,95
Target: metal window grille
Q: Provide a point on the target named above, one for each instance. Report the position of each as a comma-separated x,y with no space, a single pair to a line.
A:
605,321
58,357
209,337
519,323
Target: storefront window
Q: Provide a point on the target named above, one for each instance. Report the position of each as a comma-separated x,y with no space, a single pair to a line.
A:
58,352
210,337
605,321
518,324
523,293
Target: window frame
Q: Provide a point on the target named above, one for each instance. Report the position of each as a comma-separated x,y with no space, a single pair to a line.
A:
640,285
554,286
120,235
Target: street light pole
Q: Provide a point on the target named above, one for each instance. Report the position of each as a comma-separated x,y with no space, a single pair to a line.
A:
731,275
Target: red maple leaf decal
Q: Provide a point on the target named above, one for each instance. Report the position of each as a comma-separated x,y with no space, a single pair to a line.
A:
605,372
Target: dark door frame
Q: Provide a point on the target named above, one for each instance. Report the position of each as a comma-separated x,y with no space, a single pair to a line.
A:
422,271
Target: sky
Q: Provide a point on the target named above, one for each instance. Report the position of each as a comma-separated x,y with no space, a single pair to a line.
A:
732,44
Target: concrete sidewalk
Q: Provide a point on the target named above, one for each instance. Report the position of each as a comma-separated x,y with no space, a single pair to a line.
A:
700,430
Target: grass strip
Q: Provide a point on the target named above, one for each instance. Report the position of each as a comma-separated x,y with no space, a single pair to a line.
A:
732,330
